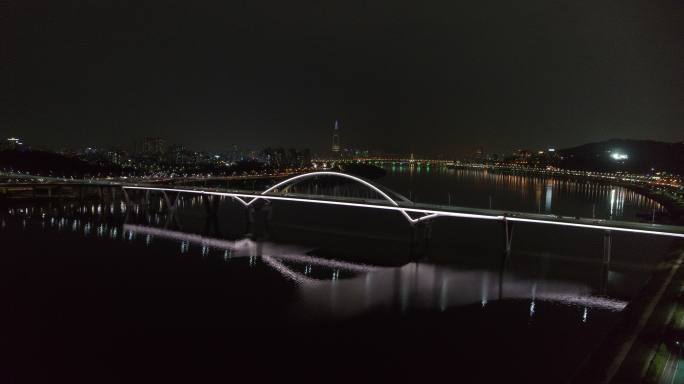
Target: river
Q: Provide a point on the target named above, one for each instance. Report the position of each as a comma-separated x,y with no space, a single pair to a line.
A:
96,289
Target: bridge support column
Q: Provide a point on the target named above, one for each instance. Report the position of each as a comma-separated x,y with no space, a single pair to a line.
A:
508,229
607,245
171,204
168,201
126,198
211,205
420,239
259,218
173,219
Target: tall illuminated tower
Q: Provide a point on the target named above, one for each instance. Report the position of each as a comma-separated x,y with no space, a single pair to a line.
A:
336,138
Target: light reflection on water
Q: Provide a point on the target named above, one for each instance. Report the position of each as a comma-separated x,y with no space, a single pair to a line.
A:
482,303
423,285
334,288
485,189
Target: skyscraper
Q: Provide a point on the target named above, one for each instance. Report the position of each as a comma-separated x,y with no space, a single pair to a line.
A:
336,138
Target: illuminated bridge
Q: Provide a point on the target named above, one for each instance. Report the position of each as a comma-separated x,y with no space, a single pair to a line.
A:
388,160
415,214
377,198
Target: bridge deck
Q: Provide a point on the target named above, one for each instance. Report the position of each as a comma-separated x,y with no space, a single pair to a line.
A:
413,211
431,211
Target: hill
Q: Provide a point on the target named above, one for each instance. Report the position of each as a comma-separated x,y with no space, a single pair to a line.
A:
639,156
51,164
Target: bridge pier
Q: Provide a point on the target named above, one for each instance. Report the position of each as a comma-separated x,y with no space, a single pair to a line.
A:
171,204
421,233
607,245
127,199
259,218
508,230
171,219
166,199
211,205
172,214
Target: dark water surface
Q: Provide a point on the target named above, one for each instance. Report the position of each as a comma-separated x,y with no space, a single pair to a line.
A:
97,291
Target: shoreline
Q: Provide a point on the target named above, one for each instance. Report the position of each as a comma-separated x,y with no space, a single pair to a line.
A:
674,208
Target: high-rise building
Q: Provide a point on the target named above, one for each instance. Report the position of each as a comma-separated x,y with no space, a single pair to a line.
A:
479,153
153,146
178,154
336,138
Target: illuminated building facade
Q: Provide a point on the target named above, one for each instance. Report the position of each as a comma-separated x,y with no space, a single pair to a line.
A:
336,138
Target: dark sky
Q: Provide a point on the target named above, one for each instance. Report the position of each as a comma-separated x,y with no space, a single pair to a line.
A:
428,77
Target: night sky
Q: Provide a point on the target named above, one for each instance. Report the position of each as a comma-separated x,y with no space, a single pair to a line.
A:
421,76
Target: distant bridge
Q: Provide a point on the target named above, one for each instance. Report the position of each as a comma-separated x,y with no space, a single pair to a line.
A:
386,160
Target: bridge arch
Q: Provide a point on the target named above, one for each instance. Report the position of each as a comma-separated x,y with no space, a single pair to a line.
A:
310,175
359,180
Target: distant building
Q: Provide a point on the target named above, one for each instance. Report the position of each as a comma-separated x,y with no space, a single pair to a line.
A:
235,154
303,158
153,146
522,153
12,143
282,158
117,157
178,155
479,153
336,138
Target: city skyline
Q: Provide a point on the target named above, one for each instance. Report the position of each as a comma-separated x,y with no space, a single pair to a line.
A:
141,145
134,142
418,78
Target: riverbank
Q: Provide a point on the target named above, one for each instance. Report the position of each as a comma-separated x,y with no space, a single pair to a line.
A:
645,346
673,206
